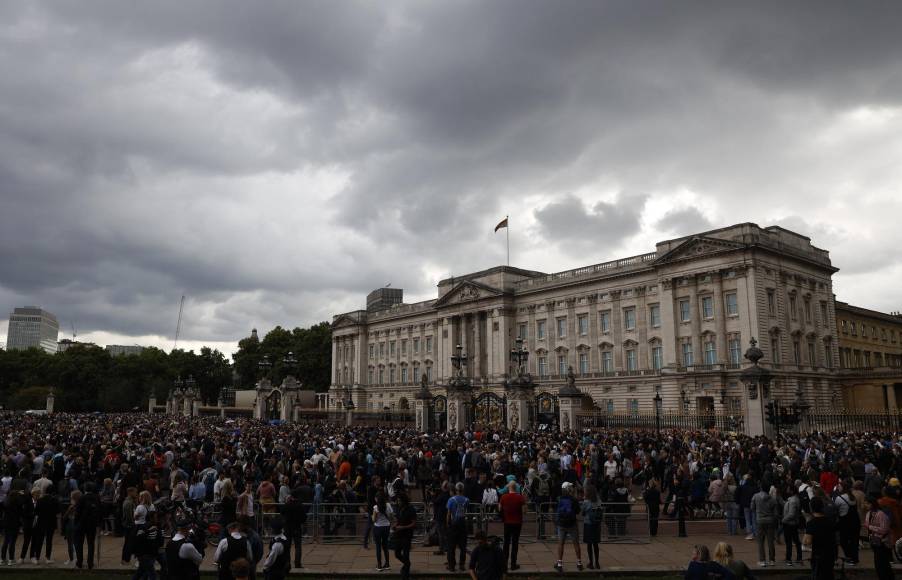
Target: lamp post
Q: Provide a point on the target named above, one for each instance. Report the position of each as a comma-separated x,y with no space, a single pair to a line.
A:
459,362
290,362
265,366
658,402
757,382
519,355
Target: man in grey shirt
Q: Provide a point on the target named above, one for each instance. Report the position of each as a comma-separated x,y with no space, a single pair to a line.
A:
767,513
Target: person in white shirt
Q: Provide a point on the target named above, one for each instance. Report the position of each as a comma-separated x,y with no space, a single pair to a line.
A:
610,467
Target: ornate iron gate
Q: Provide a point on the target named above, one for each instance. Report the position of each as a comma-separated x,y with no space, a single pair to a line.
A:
490,410
440,413
547,410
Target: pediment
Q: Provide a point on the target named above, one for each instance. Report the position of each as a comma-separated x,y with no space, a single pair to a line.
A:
699,246
343,321
467,291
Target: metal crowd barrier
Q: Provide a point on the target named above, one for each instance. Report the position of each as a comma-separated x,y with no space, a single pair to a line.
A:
347,523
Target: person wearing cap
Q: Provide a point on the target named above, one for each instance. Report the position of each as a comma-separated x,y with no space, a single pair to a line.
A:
567,511
277,562
182,557
231,548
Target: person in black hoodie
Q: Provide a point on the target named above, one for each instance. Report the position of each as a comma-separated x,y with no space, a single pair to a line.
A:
46,511
28,505
652,497
12,513
87,519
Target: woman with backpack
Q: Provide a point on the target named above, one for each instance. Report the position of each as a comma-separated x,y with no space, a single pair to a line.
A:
593,510
567,511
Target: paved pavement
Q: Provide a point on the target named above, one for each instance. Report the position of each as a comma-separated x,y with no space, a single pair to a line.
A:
663,553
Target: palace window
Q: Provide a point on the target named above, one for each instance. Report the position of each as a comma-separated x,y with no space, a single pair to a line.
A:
583,363
381,349
522,331
710,351
792,307
543,366
561,327
634,406
428,344
369,377
775,349
828,354
609,405
684,310
631,360
391,348
629,318
824,314
404,375
796,351
404,347
853,329
562,365
654,315
735,350
708,307
582,322
657,357
416,346
812,353
604,321
807,307
429,374
607,361
771,302
381,376
391,375
540,329
372,351
687,354
416,373
732,304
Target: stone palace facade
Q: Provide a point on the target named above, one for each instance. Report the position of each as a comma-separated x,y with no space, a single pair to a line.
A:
673,322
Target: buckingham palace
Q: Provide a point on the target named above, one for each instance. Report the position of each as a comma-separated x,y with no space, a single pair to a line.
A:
666,330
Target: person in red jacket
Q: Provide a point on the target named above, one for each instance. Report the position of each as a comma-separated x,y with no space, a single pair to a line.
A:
829,480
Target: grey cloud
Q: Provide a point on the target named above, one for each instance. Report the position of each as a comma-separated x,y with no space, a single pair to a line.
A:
143,147
684,221
569,221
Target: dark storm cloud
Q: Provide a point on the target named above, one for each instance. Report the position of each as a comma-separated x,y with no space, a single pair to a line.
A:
276,160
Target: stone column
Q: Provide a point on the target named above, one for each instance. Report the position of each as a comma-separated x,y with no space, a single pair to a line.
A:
518,401
568,405
477,346
50,402
458,402
151,403
720,317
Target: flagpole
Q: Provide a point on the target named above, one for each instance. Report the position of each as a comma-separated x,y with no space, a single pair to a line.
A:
507,232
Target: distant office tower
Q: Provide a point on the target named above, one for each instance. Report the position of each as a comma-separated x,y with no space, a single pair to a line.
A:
32,327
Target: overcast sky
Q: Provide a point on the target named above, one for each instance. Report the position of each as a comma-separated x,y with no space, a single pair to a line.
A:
275,161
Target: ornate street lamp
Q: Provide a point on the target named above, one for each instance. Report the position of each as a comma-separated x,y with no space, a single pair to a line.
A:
459,360
265,365
519,355
755,376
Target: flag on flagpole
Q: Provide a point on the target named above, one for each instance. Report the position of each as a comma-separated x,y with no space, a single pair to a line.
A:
501,224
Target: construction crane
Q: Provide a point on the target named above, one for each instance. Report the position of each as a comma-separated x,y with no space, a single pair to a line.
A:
178,325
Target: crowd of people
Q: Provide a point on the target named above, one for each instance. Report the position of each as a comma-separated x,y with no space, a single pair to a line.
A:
164,483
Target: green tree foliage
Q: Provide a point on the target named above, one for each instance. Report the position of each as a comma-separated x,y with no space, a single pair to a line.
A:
310,347
87,378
